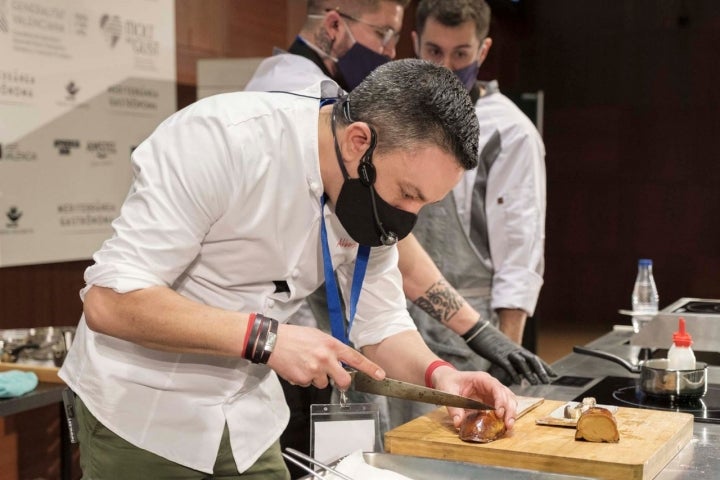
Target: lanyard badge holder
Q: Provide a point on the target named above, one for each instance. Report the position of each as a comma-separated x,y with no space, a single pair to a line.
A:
338,429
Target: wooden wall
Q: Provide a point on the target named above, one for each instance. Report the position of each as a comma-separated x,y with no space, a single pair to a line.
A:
631,123
230,28
631,129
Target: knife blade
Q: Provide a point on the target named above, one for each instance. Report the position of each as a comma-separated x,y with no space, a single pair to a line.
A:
362,382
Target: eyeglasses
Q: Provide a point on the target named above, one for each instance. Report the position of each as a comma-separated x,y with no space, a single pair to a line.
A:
387,35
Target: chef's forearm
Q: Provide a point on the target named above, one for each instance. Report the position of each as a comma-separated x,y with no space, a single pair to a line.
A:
159,318
403,356
512,323
425,286
418,270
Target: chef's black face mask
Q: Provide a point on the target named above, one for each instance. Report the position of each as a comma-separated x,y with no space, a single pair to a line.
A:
368,219
358,63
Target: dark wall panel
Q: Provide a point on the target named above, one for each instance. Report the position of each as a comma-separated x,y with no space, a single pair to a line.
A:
630,128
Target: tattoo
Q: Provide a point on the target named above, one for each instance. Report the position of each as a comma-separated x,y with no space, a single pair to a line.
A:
323,41
440,301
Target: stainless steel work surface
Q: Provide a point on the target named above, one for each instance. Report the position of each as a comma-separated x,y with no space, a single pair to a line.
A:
418,468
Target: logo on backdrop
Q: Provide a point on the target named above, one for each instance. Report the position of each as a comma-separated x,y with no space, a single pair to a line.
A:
65,146
13,152
72,89
13,214
35,16
80,23
139,98
86,214
112,28
3,17
16,84
141,36
102,149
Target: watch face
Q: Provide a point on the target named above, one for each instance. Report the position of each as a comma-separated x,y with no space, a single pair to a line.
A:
270,342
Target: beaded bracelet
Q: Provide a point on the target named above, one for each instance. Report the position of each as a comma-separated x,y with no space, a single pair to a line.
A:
431,369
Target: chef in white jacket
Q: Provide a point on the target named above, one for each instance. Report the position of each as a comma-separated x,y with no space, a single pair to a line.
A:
488,236
423,283
176,357
342,41
513,276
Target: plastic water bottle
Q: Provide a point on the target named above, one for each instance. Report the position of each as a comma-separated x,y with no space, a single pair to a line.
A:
645,299
680,355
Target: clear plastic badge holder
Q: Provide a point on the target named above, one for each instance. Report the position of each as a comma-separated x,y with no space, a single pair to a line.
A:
338,429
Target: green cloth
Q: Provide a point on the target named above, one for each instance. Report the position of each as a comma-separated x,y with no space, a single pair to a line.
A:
14,383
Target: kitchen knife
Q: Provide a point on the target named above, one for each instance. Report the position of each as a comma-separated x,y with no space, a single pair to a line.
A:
361,382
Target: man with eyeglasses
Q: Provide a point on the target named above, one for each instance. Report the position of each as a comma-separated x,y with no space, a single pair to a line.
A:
343,40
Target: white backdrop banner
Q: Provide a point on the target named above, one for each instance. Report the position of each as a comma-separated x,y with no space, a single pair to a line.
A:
82,83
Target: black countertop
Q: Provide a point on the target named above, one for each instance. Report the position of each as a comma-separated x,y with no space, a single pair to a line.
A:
43,395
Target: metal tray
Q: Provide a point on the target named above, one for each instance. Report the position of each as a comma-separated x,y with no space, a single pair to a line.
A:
418,468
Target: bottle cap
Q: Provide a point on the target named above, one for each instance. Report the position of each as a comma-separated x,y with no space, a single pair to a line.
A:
681,338
645,262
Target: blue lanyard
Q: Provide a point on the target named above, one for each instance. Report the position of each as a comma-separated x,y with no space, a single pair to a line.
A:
337,326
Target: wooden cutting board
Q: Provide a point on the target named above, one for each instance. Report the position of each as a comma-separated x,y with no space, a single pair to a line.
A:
649,439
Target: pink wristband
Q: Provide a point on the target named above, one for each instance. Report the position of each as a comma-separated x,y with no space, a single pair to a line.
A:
432,367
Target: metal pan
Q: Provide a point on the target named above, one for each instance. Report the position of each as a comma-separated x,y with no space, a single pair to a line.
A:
657,380
39,343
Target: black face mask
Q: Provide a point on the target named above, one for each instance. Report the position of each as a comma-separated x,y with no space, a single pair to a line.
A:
359,208
358,63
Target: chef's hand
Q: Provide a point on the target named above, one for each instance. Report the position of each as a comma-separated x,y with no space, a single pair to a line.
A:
306,356
510,361
480,386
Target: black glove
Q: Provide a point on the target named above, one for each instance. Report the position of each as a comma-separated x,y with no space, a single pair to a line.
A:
510,361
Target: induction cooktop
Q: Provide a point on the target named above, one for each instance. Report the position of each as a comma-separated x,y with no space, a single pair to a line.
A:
626,392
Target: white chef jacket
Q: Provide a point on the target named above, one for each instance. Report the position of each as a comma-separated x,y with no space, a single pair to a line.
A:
285,71
515,202
225,200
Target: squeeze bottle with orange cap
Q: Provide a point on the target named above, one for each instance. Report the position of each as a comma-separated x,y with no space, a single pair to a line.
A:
680,355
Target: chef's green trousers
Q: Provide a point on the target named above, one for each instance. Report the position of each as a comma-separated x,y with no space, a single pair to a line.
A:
106,456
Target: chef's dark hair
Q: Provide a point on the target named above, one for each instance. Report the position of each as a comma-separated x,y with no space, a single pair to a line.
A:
452,13
412,103
353,7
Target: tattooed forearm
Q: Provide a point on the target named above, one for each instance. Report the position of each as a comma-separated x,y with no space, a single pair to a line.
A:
440,301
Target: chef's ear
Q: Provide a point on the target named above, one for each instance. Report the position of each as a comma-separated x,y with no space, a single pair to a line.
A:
416,43
331,24
484,49
358,139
